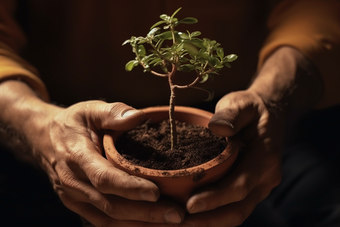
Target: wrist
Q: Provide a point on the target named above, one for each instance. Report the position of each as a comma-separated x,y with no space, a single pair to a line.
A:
288,82
25,118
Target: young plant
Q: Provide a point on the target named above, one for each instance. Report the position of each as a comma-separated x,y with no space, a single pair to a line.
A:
185,52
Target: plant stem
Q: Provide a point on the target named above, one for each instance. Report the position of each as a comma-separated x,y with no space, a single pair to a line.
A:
173,131
173,34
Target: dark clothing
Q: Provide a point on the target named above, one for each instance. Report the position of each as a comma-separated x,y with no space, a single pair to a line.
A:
27,197
309,194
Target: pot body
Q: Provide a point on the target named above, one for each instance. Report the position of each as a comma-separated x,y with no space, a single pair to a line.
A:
178,184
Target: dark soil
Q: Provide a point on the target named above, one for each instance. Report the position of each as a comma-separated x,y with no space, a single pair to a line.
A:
148,145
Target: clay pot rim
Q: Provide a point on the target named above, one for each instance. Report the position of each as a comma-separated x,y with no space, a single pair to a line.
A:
111,136
179,109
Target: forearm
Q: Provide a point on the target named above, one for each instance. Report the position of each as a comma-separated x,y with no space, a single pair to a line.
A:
22,117
312,27
288,82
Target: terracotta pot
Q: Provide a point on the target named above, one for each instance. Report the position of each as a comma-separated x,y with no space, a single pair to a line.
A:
177,184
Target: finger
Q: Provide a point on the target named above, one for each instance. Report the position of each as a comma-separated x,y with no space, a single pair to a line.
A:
93,167
248,174
98,218
233,112
114,116
118,207
102,174
230,215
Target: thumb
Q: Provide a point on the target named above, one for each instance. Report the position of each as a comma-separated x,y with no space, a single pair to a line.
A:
233,112
116,116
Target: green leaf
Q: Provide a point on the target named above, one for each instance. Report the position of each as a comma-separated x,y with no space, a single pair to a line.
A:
183,35
220,53
164,17
230,58
186,68
172,16
227,64
196,33
188,20
166,27
219,66
126,42
141,51
205,77
190,48
179,47
148,58
167,55
158,23
152,32
197,42
156,61
212,61
131,64
142,40
203,55
183,59
165,35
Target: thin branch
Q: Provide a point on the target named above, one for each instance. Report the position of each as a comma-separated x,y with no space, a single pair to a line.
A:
188,85
158,74
172,103
208,71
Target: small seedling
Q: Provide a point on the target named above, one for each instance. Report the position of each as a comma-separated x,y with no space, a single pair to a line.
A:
173,51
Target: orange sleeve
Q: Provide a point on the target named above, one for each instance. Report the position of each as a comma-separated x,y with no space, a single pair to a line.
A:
12,66
313,27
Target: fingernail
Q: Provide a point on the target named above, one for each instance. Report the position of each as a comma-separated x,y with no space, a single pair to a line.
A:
173,217
223,123
149,196
197,207
129,112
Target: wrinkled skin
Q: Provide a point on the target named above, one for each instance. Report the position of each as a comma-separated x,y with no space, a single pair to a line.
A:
286,86
66,143
232,200
86,182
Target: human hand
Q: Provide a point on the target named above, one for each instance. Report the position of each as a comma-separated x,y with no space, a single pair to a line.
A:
230,201
85,181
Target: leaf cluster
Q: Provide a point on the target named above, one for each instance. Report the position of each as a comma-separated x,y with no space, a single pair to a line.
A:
185,51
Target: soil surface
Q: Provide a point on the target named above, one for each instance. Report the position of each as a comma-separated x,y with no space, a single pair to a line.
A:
149,145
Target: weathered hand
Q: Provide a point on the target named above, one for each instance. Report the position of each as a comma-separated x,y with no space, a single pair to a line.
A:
86,182
230,202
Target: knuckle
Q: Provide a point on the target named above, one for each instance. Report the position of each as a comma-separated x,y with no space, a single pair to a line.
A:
68,182
115,109
66,179
100,179
112,210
